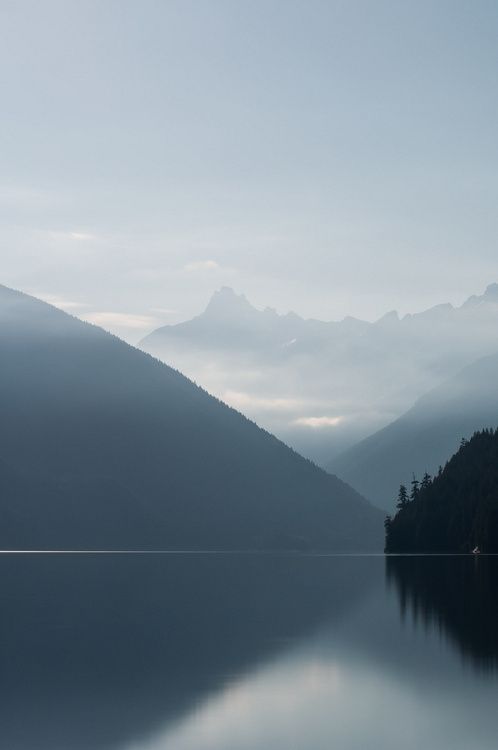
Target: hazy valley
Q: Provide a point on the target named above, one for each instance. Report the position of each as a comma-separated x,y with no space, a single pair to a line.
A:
248,375
325,387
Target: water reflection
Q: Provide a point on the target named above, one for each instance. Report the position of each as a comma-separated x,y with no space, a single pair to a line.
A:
247,652
457,595
97,651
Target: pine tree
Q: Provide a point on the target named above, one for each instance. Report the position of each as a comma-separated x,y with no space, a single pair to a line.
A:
415,488
402,497
426,481
463,508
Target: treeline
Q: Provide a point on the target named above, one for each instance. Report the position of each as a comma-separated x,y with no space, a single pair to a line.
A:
455,511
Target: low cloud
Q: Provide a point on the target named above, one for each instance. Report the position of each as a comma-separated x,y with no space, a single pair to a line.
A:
81,236
240,400
164,310
123,320
317,422
202,265
58,235
56,301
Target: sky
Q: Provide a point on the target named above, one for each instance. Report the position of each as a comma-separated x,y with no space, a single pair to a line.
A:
332,158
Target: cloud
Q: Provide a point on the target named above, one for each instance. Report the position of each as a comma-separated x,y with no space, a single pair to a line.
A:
317,422
202,265
57,235
164,310
117,319
81,236
241,400
64,304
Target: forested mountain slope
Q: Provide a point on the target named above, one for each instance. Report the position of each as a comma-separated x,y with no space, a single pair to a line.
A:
458,509
103,446
425,436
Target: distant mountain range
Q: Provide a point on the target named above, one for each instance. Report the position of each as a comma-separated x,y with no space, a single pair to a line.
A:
101,446
425,436
323,387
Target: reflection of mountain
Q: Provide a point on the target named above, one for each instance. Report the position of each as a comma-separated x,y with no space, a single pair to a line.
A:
456,594
426,436
102,447
115,652
282,370
98,651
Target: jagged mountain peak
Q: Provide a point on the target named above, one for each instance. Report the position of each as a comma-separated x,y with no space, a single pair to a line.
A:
492,290
434,313
490,296
388,318
226,302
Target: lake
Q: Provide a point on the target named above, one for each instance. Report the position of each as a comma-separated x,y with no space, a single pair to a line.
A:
199,651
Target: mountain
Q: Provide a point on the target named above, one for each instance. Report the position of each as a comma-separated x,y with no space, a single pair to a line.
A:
425,436
458,509
277,369
102,446
230,320
324,386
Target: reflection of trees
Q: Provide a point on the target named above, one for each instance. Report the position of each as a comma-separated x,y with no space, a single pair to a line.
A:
455,594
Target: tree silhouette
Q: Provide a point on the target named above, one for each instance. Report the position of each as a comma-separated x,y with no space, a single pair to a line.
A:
402,497
455,511
415,488
426,481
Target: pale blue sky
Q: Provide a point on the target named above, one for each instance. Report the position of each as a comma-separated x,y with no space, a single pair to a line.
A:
331,157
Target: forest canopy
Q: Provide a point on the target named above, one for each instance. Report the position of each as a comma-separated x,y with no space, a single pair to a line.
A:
455,511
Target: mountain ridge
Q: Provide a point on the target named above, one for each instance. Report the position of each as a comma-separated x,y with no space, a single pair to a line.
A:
101,430
426,435
226,299
351,377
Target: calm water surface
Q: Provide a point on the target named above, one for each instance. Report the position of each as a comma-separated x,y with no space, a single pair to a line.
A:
248,652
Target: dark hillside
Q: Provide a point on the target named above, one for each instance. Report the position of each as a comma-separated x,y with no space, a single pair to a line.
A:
101,445
425,436
458,509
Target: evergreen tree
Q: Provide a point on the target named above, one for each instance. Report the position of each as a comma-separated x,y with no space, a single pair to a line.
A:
456,510
402,497
415,488
426,481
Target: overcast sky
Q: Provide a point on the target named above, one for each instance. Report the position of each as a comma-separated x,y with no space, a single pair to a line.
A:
333,158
